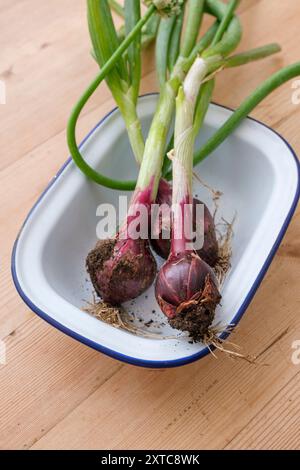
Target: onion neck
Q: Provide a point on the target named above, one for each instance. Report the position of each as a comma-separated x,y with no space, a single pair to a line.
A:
150,170
138,214
151,165
155,145
133,126
182,199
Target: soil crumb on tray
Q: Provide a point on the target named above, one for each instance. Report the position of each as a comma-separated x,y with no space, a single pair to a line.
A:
119,318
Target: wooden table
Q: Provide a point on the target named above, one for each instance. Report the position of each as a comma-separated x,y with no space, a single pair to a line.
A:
57,393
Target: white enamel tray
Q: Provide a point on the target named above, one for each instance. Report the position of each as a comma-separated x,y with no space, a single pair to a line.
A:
255,169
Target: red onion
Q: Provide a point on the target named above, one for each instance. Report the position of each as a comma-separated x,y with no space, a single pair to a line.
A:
186,291
186,288
122,268
161,245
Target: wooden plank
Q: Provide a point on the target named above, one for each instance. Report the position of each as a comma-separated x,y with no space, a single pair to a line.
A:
45,68
205,405
277,425
46,375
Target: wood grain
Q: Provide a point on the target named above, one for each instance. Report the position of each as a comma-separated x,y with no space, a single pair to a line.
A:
277,425
55,392
54,381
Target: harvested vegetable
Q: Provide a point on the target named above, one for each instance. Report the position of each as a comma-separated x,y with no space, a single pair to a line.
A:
186,288
121,270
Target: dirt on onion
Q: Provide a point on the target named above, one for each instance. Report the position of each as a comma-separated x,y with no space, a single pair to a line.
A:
121,270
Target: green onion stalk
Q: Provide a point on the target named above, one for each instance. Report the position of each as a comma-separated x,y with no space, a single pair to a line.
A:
124,79
109,65
117,7
150,171
123,91
207,89
186,288
71,128
226,38
271,84
148,31
115,64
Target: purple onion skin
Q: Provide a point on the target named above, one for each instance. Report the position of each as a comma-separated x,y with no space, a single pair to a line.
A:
184,283
122,268
162,246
